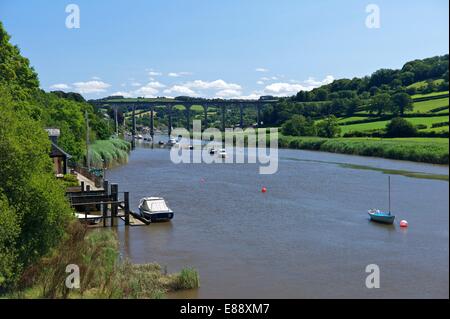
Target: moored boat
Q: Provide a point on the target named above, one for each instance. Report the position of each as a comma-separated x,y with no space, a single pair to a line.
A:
381,217
155,209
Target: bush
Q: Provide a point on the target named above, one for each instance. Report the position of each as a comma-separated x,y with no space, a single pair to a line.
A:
399,127
329,127
298,125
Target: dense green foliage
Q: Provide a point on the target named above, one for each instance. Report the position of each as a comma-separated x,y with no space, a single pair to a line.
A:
33,201
385,92
33,208
298,125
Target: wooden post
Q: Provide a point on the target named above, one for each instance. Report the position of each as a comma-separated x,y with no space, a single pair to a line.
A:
82,186
105,187
105,213
88,188
114,198
126,196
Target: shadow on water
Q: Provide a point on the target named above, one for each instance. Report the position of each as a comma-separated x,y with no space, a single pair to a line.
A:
405,173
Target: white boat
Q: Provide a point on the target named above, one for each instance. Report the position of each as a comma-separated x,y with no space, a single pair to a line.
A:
172,142
222,153
155,209
89,219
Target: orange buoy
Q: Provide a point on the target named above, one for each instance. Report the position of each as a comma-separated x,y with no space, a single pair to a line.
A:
264,190
404,223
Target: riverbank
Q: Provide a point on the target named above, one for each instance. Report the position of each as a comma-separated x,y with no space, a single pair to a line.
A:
103,273
425,150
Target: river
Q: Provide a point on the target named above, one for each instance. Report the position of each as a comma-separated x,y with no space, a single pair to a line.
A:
308,236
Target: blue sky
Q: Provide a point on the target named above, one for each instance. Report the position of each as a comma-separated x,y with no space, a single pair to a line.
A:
212,48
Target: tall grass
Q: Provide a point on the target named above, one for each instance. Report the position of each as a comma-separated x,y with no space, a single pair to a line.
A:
102,273
113,152
401,149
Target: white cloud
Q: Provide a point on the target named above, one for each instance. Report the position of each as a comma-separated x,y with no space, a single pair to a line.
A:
312,82
283,89
135,84
151,89
213,85
180,90
178,74
96,78
60,86
261,70
228,94
260,82
154,73
120,93
293,87
91,86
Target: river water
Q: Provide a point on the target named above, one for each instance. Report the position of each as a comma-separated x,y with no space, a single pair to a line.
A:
308,236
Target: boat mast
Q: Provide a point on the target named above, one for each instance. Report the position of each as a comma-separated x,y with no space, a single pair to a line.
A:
389,181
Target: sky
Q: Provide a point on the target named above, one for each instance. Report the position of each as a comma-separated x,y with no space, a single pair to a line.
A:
220,49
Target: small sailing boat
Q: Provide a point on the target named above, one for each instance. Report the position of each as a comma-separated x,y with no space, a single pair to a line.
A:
383,217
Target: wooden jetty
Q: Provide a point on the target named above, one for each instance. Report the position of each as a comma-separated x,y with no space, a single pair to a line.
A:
105,203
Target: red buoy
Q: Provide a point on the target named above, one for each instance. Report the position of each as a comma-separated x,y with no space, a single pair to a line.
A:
404,223
264,190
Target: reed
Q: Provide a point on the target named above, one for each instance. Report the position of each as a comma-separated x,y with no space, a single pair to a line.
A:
109,152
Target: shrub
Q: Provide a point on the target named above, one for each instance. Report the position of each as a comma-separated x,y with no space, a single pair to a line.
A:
329,127
399,127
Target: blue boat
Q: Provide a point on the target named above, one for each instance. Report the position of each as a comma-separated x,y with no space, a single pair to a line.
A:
383,217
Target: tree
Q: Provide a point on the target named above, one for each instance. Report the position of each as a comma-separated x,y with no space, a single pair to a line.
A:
401,102
15,70
34,196
328,127
380,103
298,125
399,127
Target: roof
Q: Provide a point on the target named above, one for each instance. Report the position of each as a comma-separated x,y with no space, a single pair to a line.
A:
53,132
57,151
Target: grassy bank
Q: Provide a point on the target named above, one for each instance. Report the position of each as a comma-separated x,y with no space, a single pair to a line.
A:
427,150
102,273
113,152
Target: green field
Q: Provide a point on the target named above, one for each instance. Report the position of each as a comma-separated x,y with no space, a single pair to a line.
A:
423,84
428,121
428,106
417,96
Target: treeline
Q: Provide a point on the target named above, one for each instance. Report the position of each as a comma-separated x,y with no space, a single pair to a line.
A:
385,91
34,212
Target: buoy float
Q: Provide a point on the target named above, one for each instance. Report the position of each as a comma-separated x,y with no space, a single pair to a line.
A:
264,190
404,223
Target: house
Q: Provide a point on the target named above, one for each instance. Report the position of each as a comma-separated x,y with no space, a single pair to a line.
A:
57,154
